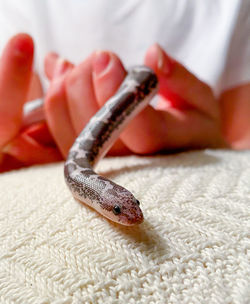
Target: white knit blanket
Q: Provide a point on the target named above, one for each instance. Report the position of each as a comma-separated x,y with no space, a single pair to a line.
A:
192,248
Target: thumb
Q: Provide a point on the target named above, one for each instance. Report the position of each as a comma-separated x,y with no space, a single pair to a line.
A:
55,65
178,85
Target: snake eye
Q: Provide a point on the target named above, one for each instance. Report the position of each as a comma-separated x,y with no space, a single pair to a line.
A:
116,210
137,202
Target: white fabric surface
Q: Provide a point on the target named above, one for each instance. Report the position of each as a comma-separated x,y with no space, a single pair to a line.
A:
192,248
210,37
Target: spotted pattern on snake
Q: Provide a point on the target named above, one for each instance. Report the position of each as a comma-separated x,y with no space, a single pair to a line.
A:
111,200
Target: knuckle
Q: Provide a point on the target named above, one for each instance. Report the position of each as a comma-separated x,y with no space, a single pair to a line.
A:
55,95
76,76
72,77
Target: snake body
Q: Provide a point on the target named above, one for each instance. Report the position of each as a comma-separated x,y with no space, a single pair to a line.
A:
109,199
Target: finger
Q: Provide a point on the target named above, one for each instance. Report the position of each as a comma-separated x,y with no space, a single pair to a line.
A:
40,133
26,150
178,85
35,88
80,94
49,64
57,115
235,112
108,74
54,65
151,130
145,133
140,135
15,75
170,129
190,129
8,163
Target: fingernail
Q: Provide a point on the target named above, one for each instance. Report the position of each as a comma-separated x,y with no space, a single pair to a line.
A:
101,63
61,66
23,44
23,50
165,63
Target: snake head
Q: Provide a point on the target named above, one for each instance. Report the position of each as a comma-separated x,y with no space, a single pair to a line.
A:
120,206
129,213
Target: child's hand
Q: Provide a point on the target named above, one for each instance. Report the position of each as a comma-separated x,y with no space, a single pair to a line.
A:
187,115
18,147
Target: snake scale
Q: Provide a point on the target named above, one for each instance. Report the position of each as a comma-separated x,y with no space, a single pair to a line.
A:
109,199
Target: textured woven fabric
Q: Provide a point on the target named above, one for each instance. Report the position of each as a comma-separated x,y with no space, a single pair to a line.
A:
192,248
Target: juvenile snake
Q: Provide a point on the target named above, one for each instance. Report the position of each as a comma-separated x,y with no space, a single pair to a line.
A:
106,197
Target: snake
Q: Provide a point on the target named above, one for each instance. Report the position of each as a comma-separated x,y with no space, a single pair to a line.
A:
100,193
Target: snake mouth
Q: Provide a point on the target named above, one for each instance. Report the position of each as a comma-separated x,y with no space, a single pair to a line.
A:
139,220
131,220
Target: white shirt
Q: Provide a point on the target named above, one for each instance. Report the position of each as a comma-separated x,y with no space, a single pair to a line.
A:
210,37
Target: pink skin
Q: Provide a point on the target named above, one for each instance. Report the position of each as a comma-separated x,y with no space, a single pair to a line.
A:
73,95
187,113
235,109
19,147
15,77
185,117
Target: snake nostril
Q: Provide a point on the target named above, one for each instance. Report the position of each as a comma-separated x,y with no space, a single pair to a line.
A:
137,202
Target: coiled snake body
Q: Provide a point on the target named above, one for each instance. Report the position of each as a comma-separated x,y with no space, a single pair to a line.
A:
106,197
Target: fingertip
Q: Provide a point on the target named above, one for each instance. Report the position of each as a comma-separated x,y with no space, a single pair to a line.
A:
108,74
15,75
55,65
101,63
51,56
24,43
49,64
21,48
151,57
106,63
62,66
17,57
158,60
